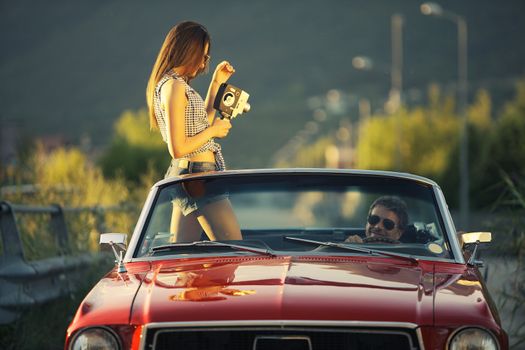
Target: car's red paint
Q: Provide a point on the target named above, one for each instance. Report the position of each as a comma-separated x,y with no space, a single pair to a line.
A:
109,302
430,299
459,289
283,288
288,288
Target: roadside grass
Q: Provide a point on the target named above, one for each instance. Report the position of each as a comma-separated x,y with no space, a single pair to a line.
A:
66,177
511,226
44,326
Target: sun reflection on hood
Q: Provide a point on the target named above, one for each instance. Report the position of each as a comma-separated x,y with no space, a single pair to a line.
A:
207,282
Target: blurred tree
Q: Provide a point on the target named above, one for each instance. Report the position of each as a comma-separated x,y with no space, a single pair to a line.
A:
508,148
66,177
429,143
418,141
377,143
438,102
479,115
424,141
504,150
480,112
311,155
428,138
134,149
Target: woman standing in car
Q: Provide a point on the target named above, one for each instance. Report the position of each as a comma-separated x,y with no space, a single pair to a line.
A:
189,127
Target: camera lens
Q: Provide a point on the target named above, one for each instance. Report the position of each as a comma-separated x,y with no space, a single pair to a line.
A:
228,99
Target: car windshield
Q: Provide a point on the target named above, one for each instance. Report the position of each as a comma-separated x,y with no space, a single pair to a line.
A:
394,215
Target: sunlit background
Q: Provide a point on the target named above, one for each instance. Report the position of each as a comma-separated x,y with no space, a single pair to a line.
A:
436,90
334,84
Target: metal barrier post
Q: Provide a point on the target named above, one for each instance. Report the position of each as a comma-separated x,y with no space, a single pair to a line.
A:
24,284
12,264
100,222
13,249
58,225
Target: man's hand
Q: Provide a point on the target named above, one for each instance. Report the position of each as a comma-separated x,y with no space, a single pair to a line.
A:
354,239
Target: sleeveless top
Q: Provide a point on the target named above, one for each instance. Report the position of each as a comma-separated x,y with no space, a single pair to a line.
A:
195,119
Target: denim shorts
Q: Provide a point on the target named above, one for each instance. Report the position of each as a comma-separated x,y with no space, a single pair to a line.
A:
193,195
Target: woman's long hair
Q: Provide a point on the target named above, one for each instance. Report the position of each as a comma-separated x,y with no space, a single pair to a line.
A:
183,47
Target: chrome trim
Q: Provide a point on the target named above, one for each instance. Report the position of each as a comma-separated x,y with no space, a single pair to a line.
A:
283,323
460,329
82,330
279,254
419,335
449,226
225,255
280,324
295,171
132,246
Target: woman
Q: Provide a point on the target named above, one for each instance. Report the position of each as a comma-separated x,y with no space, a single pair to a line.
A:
188,125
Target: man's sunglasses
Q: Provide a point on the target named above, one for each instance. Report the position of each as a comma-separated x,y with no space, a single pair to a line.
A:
387,223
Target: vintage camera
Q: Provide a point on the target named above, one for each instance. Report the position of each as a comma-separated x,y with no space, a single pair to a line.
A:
231,101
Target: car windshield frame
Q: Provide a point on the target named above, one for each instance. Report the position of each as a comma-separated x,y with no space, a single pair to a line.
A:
441,211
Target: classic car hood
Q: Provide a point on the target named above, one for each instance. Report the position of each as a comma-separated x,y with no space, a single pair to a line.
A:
109,301
285,288
461,299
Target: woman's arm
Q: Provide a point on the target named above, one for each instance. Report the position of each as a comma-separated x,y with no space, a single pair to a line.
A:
210,98
174,99
223,72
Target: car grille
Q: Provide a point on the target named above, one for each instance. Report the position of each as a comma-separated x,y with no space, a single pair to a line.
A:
289,338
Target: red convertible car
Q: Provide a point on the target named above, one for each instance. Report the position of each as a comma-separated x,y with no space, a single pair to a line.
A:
328,259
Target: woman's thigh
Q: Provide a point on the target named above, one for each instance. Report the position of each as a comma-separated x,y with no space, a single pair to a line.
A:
219,221
184,228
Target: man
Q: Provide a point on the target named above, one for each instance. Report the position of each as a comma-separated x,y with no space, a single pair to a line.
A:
386,222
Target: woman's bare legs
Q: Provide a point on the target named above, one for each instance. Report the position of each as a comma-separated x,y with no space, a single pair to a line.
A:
219,221
184,228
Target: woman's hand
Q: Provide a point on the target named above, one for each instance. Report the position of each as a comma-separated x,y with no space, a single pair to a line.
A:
223,72
221,127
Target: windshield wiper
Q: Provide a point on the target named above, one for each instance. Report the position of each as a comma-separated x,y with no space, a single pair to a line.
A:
353,247
175,246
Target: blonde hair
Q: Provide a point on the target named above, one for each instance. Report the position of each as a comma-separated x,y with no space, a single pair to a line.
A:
183,46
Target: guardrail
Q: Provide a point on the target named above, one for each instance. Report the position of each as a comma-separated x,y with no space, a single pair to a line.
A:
24,283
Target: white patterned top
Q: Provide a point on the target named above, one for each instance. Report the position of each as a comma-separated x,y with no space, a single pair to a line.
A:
196,119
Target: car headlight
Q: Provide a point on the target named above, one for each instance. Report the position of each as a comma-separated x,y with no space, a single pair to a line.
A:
473,339
95,339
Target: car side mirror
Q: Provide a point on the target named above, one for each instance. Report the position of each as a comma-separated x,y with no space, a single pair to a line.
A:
468,238
474,237
116,240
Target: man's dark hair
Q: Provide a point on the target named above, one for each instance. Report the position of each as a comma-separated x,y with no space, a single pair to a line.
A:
394,204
